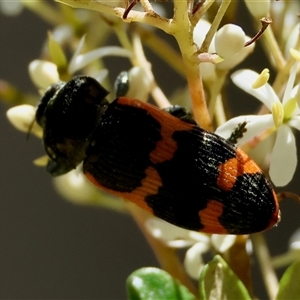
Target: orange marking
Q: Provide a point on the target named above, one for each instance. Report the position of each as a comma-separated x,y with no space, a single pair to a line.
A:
166,147
209,217
150,185
234,167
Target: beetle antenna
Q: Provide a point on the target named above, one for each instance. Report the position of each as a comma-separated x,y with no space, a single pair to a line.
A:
291,195
30,129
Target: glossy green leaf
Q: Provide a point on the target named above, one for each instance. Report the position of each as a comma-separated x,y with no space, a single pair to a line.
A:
154,284
218,281
289,287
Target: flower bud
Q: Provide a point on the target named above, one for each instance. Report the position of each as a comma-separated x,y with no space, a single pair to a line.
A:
22,117
43,73
75,187
237,58
230,39
139,84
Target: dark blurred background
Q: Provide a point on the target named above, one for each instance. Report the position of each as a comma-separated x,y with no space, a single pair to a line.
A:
50,248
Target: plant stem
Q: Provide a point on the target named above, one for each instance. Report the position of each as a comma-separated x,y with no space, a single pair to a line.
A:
273,48
182,30
220,115
147,6
163,50
215,90
200,110
200,12
154,20
263,256
141,61
214,26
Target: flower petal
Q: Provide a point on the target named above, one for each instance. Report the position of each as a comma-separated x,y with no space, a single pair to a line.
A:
139,84
172,235
255,125
294,242
101,75
72,64
289,87
43,73
295,122
234,60
41,161
75,187
200,31
244,80
193,261
23,118
82,60
283,159
222,242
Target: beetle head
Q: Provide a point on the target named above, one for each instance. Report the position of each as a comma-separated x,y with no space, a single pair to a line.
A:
69,113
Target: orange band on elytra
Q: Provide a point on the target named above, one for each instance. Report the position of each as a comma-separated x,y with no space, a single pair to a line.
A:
209,217
234,167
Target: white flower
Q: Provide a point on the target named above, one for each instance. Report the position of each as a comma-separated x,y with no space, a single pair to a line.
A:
284,115
198,243
228,42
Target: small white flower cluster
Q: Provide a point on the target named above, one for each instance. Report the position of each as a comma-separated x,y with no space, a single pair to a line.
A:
284,115
198,243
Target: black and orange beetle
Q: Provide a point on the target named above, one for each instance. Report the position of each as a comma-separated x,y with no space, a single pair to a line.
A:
160,160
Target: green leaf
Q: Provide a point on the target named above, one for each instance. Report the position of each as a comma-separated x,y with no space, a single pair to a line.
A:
218,281
57,54
289,287
153,284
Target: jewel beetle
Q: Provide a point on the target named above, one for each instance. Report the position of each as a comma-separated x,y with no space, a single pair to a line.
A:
159,159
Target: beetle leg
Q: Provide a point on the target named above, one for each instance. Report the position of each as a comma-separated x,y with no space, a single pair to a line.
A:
180,113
